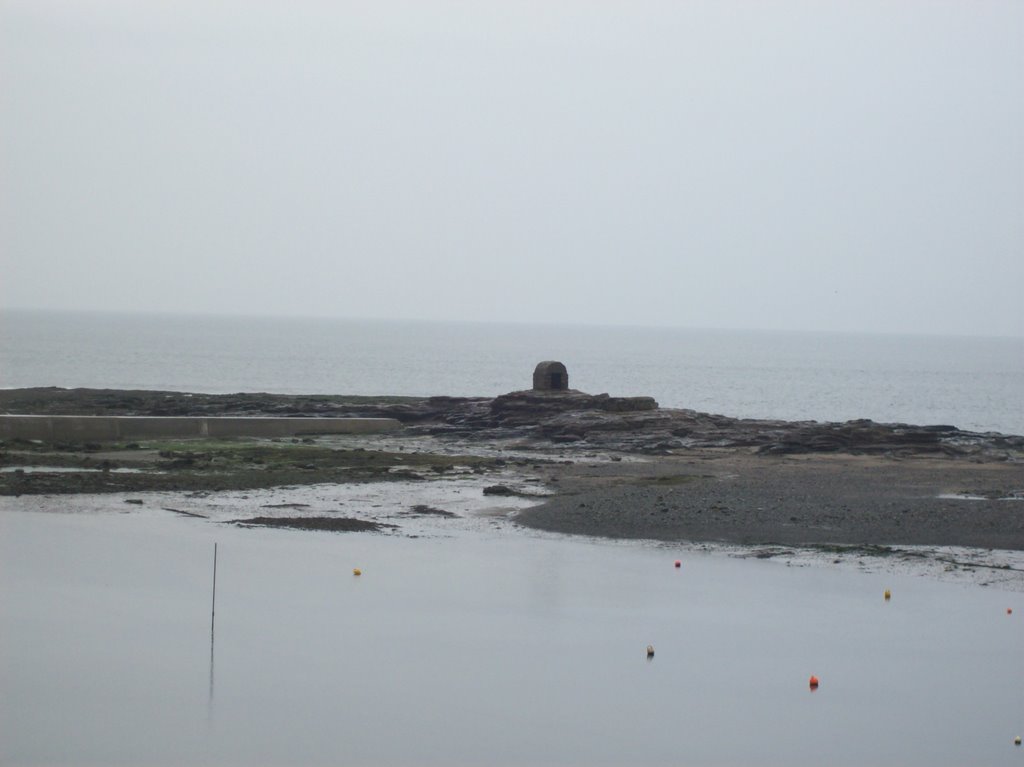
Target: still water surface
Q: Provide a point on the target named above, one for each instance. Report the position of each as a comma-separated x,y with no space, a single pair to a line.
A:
972,383
479,645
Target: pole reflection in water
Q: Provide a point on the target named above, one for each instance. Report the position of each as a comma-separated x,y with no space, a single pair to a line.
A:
213,615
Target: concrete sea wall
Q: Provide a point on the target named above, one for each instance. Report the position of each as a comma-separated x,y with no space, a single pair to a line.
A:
107,428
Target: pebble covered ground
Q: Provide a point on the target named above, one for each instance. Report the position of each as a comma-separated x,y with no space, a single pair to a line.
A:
737,498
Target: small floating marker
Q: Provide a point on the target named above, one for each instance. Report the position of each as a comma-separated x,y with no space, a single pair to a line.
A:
678,563
888,595
1016,741
650,651
357,571
814,682
1009,611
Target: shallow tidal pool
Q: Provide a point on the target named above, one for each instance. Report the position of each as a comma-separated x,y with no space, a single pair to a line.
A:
479,643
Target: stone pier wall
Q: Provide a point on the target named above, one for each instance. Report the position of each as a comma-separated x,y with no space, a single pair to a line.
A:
112,428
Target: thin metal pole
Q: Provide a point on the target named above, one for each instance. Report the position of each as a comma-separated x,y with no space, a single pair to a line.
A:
213,608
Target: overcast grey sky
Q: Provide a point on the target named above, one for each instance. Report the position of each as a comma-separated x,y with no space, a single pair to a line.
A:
782,165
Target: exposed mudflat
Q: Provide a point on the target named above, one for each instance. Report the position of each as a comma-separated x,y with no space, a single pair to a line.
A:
330,524
619,468
818,500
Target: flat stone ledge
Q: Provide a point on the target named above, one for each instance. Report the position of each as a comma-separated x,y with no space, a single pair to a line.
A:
109,428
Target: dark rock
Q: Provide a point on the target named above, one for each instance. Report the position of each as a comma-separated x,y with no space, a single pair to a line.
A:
562,438
424,510
499,490
333,524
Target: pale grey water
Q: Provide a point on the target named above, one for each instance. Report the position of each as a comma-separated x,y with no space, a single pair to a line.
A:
972,383
480,644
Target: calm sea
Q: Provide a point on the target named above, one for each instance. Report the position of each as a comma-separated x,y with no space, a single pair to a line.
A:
972,383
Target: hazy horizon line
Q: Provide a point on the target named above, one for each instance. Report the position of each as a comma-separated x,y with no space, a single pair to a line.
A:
155,313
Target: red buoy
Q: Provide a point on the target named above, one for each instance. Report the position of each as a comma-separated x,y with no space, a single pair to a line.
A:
814,682
678,563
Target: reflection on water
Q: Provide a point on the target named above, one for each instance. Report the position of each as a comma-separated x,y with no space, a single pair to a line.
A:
481,647
213,618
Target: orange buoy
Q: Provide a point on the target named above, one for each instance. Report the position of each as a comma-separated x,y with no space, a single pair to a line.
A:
888,595
814,682
650,651
678,563
357,571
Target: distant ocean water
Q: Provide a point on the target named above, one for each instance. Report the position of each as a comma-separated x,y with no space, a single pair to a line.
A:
972,383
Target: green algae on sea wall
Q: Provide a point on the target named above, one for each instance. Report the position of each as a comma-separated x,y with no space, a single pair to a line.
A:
38,468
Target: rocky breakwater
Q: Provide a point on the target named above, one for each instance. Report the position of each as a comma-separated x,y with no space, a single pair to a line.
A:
639,425
545,418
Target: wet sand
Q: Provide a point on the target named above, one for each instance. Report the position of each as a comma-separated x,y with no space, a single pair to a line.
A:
639,473
728,495
735,497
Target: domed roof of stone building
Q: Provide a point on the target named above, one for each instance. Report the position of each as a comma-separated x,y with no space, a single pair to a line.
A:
550,376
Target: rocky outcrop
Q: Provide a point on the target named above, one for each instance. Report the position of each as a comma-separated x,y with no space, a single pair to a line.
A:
530,407
545,418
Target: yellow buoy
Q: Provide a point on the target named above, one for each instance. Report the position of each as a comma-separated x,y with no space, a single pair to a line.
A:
1016,741
650,651
888,595
357,571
